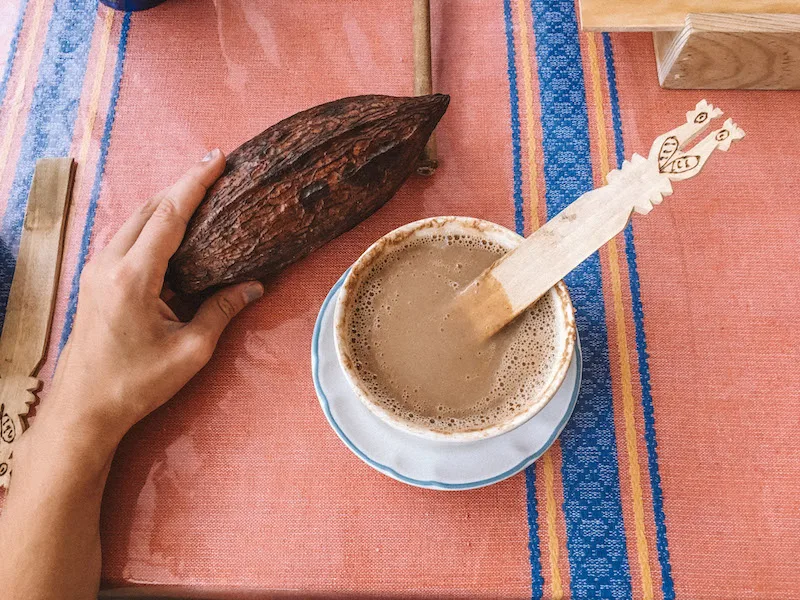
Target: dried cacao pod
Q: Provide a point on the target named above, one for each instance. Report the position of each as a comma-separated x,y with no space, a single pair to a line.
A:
301,183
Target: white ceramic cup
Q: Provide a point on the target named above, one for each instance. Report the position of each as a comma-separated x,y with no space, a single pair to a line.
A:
565,327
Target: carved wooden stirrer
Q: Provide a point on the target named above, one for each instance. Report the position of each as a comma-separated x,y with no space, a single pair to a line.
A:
30,303
522,276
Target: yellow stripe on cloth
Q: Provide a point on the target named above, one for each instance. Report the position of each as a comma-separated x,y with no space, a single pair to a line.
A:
525,51
15,106
97,84
552,534
622,341
551,507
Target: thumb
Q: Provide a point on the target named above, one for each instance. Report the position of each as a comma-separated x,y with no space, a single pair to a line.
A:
217,311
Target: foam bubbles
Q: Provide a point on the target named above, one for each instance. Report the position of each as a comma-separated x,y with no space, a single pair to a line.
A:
390,314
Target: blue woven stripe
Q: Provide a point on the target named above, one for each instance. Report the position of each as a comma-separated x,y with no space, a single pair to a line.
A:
592,507
51,121
72,303
519,219
537,582
641,347
537,578
12,51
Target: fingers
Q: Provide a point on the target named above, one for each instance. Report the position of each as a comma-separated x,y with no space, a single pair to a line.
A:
162,233
130,230
216,312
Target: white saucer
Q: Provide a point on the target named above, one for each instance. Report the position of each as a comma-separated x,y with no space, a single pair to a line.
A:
429,463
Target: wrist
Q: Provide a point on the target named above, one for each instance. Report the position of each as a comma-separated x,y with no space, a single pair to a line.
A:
86,406
48,459
72,438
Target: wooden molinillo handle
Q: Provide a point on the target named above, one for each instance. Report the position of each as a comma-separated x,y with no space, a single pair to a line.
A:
423,80
522,276
30,303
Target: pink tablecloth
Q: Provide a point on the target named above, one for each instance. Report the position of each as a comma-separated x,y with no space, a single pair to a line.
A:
678,473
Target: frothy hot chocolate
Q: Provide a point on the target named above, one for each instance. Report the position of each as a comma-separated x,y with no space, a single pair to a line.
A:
416,353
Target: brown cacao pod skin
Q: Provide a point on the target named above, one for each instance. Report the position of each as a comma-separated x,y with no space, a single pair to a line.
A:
301,183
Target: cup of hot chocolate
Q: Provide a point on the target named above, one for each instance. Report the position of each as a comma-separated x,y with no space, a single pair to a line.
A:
412,357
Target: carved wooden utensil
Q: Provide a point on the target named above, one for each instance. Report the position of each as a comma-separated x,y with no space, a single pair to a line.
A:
30,303
521,277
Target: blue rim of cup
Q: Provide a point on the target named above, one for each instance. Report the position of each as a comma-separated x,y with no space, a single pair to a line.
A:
429,484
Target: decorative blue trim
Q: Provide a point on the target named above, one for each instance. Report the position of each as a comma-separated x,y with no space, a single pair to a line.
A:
662,545
438,485
596,541
519,219
611,76
86,239
51,119
534,551
12,50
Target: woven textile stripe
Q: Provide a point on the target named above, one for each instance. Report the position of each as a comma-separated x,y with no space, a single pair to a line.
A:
544,508
85,147
668,587
52,115
619,346
531,117
519,223
592,505
552,553
12,51
556,562
72,303
94,102
16,103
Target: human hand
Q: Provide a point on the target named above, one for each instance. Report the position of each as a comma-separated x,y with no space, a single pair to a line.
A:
128,352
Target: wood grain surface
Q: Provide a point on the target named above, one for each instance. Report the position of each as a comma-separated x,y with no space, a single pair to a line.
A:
731,51
660,15
30,303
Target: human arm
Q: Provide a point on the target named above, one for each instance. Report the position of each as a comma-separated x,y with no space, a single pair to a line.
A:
127,354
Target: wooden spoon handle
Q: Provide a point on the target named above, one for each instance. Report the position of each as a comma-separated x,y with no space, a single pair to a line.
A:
522,276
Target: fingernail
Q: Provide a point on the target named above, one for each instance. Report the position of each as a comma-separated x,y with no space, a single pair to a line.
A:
211,155
253,292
